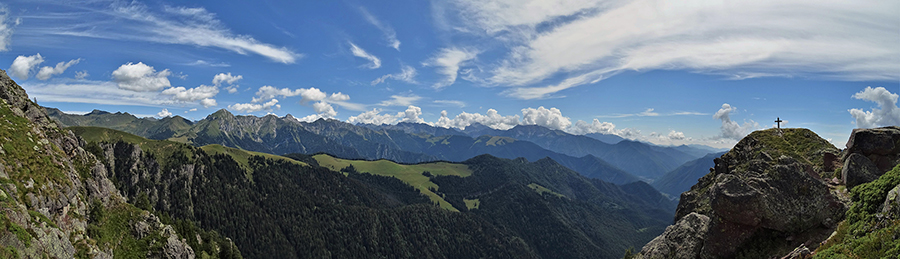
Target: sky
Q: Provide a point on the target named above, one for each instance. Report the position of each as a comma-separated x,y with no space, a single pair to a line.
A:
665,72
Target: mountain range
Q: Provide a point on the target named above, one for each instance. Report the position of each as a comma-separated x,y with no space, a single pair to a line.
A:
623,162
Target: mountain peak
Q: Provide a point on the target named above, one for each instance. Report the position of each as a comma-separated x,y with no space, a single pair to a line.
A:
221,113
97,112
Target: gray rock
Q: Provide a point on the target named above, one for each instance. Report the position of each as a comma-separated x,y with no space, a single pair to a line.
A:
682,240
798,253
858,170
891,207
880,145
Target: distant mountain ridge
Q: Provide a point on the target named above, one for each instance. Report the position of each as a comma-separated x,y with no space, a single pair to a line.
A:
271,134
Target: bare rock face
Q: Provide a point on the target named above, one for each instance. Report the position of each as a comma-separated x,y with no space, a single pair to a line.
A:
682,240
767,187
880,145
858,169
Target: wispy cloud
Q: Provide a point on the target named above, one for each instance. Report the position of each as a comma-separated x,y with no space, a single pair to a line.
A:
406,74
7,26
359,52
456,103
204,63
797,38
649,112
448,61
133,21
399,100
389,34
94,92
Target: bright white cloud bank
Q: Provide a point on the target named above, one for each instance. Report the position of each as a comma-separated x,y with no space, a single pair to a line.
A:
141,77
23,66
587,41
886,114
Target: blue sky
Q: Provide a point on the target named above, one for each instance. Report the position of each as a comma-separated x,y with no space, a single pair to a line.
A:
667,72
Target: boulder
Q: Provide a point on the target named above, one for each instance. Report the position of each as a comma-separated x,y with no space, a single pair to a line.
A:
682,240
859,170
891,207
880,145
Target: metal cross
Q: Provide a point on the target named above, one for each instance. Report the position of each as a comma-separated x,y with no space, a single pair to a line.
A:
778,121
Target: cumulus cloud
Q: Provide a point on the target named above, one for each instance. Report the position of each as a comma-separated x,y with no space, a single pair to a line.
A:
581,127
7,27
399,100
731,129
410,115
491,118
406,74
886,114
203,93
551,118
141,77
448,61
359,52
23,66
553,39
373,117
164,113
389,34
220,78
47,72
255,107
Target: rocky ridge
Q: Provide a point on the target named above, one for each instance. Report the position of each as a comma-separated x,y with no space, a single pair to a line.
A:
56,199
762,199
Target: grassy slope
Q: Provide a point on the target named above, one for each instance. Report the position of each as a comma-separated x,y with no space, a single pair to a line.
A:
864,234
160,148
410,174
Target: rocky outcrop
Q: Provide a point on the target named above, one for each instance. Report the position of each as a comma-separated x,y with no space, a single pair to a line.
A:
47,181
682,240
858,169
891,207
869,154
767,187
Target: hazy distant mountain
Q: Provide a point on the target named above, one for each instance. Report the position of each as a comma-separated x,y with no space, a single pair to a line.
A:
415,128
606,138
682,178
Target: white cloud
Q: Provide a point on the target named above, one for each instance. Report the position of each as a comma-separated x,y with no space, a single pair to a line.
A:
255,107
359,52
164,113
887,113
81,75
373,117
204,63
551,118
646,113
267,92
6,28
389,34
192,26
456,103
398,100
581,127
557,39
203,93
140,77
220,78
731,129
94,92
47,72
22,66
491,119
324,109
412,114
448,61
676,135
311,94
406,74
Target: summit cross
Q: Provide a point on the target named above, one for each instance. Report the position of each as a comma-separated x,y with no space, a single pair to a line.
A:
778,121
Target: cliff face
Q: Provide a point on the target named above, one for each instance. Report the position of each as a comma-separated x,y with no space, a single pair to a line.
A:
762,199
55,198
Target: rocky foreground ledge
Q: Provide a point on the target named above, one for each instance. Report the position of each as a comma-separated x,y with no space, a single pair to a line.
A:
777,192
